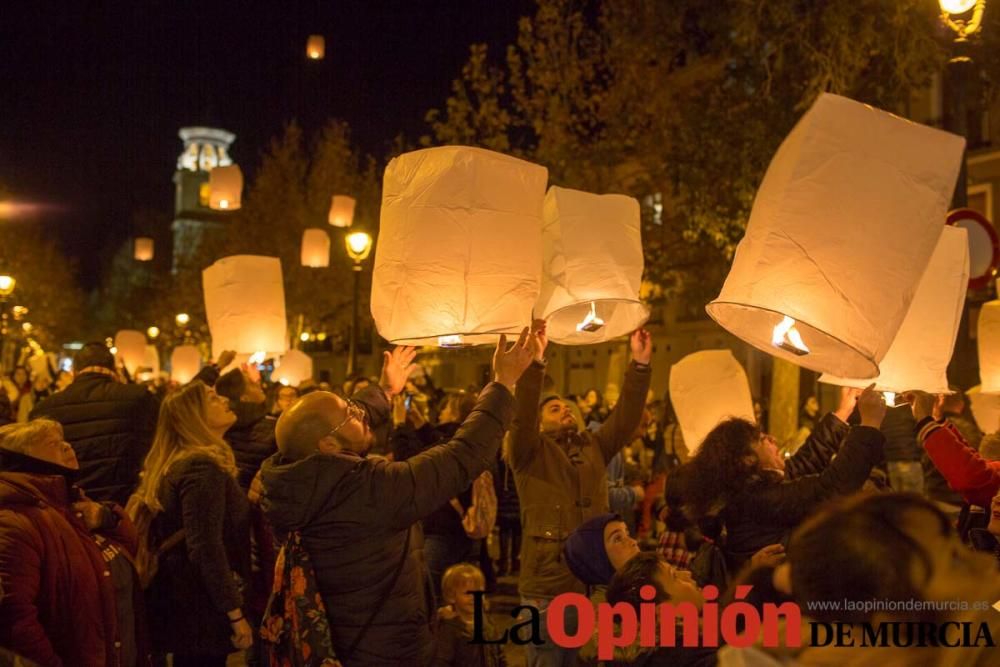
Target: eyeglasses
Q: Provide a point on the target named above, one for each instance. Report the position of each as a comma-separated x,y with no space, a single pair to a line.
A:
354,411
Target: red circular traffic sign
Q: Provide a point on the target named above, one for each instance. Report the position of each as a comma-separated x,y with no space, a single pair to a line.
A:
984,246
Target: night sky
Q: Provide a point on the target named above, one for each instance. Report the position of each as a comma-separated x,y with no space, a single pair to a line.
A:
93,93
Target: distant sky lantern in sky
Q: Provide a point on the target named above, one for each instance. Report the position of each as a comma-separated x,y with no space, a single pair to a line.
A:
185,362
707,387
225,188
315,248
341,211
294,368
919,355
591,267
316,47
245,305
988,341
459,248
131,348
143,248
842,227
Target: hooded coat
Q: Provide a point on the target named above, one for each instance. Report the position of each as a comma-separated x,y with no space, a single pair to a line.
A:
354,515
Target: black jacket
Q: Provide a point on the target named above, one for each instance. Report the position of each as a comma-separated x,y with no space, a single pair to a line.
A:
110,426
770,507
252,439
354,515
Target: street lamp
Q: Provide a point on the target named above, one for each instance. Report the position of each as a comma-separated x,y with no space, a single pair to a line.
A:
182,319
153,332
359,245
7,284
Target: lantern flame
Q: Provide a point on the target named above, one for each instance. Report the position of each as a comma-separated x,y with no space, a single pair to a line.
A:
257,358
454,340
890,398
787,337
223,203
591,322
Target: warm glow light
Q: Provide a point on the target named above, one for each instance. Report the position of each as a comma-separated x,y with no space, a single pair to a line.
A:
450,341
7,284
19,312
787,337
304,336
591,322
315,47
956,6
114,350
143,249
341,211
321,336
182,319
223,204
359,245
153,332
257,358
27,327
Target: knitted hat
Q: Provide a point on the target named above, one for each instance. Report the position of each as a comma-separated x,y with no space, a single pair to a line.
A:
585,553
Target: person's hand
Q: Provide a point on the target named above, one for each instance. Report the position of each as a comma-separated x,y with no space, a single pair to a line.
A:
396,368
509,363
938,412
91,513
540,339
922,404
225,359
642,346
871,405
848,401
256,489
772,555
242,634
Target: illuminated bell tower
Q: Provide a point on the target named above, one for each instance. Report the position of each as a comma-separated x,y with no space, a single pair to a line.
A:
204,149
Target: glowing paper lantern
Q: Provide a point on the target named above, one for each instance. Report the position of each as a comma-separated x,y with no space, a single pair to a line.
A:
341,211
988,341
315,248
151,360
842,227
985,409
316,47
226,188
591,268
918,357
706,388
185,362
459,247
144,249
131,346
245,305
295,367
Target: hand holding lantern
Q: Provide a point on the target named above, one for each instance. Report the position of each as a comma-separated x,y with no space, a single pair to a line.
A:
642,346
396,368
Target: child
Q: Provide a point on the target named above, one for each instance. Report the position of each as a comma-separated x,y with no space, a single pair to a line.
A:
456,622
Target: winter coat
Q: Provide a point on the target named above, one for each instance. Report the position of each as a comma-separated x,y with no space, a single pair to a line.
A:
900,442
968,473
770,507
251,438
58,604
508,506
562,484
354,515
453,647
195,585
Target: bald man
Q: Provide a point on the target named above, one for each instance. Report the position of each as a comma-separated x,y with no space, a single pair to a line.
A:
355,514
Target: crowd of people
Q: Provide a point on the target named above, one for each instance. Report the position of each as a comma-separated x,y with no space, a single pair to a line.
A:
363,524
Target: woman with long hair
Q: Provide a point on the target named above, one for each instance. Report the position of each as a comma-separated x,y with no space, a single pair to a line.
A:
189,484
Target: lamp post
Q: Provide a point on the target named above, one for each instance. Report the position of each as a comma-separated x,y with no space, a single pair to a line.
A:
359,245
7,284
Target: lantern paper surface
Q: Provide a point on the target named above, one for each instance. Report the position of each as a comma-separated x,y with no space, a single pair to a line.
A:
131,346
185,362
459,248
245,305
226,188
988,341
144,249
706,388
341,211
296,366
316,47
985,409
315,248
591,267
151,360
842,227
918,357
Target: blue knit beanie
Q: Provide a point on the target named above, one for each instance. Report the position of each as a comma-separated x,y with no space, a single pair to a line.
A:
585,553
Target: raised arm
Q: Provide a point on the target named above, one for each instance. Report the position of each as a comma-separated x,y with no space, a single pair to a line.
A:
524,438
620,426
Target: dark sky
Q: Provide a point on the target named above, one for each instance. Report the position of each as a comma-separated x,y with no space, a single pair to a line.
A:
92,93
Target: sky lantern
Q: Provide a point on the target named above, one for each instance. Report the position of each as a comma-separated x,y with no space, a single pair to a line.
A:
842,227
131,346
245,305
315,248
294,368
225,188
316,47
151,360
143,249
985,409
706,388
988,341
460,246
341,211
185,362
919,355
591,267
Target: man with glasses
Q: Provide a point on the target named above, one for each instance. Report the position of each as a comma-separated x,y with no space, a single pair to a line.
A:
355,514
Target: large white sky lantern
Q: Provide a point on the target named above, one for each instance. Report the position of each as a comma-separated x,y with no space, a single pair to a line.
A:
843,225
245,305
315,248
131,346
226,188
919,355
988,341
185,362
341,211
591,267
460,246
294,368
707,387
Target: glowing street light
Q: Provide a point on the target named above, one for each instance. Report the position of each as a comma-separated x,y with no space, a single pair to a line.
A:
153,332
953,10
182,319
7,284
359,245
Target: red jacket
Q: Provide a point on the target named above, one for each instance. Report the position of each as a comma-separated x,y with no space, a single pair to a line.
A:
968,473
58,602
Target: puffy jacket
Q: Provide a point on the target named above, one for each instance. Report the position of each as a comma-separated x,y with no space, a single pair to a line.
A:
968,473
251,438
354,515
110,426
